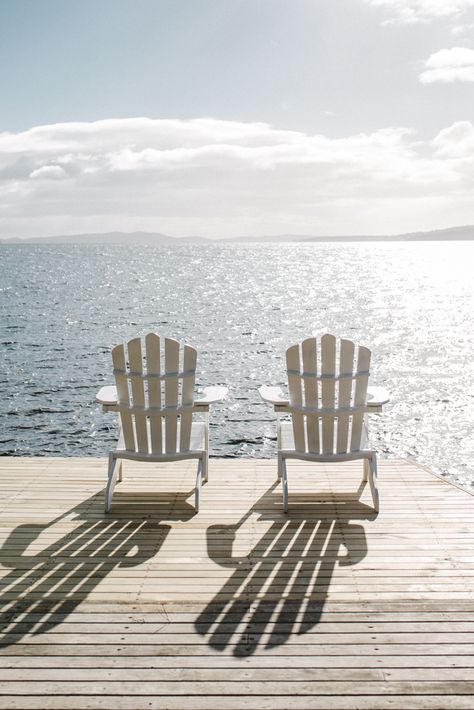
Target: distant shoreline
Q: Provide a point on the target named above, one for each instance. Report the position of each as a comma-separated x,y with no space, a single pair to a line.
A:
451,234
235,242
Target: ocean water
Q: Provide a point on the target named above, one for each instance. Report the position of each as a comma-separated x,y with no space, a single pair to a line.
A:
63,308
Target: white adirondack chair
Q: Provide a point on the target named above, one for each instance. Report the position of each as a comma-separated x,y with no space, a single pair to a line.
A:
328,403
156,404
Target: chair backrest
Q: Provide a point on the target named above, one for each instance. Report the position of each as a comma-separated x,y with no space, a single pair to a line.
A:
328,394
155,394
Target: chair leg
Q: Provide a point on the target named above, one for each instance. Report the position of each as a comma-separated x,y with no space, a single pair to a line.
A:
366,470
114,469
284,485
205,467
280,466
197,490
373,482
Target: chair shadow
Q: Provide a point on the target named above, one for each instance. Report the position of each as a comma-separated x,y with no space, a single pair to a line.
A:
280,588
43,589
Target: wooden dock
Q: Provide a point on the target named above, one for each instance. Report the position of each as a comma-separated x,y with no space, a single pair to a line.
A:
240,606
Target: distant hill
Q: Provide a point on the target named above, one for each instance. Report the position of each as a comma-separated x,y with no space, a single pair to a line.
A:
451,233
156,239
112,238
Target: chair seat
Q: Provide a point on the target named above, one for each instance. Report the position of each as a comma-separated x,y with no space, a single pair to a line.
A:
197,445
288,448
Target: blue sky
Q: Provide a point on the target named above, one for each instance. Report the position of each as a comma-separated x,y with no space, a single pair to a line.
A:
364,108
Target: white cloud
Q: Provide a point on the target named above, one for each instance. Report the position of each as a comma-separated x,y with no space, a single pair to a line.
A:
448,65
222,178
48,172
409,11
462,29
451,58
457,141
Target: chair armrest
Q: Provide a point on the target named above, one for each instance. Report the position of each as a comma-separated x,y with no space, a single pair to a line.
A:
273,395
211,395
376,397
107,395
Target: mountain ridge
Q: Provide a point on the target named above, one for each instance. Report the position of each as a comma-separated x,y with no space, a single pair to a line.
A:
463,232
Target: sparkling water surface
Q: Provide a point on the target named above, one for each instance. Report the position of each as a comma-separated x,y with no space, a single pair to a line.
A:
63,308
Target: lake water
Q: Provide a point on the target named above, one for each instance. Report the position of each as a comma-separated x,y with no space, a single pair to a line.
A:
63,308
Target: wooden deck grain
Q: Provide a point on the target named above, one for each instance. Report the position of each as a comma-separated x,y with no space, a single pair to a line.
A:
240,606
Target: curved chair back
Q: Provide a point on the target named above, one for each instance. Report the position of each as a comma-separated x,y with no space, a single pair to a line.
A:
327,384
155,392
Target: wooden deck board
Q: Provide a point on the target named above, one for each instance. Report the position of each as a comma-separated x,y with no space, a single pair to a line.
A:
241,606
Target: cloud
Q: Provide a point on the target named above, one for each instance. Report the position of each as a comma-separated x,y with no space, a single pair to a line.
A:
410,11
48,172
224,178
457,141
448,65
462,29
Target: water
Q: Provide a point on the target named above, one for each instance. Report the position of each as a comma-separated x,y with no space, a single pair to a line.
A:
63,308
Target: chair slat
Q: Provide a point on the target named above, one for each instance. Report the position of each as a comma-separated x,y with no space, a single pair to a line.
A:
135,359
363,366
153,366
310,367
153,363
346,367
360,397
171,394
121,382
356,432
189,366
294,385
187,396
328,367
120,369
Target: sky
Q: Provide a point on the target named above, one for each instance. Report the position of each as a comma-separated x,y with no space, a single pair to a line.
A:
226,118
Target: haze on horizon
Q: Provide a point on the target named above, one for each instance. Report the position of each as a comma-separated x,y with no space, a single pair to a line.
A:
238,117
